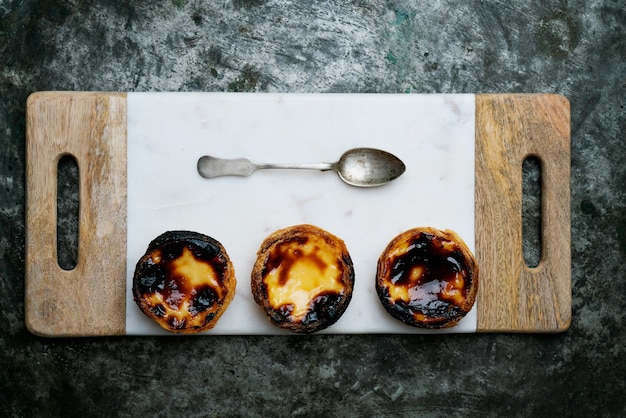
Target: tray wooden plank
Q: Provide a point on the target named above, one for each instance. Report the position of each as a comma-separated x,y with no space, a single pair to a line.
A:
92,128
91,298
512,296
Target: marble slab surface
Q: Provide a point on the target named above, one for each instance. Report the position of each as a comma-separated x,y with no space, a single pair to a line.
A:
168,132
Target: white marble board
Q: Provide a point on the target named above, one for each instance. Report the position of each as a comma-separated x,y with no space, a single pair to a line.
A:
167,132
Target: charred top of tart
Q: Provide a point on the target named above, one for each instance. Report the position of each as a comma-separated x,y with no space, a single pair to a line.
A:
303,278
184,281
427,278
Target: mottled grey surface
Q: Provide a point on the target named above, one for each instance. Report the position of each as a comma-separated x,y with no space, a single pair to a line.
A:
576,48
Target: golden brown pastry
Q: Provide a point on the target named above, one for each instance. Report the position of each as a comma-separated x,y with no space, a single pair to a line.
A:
303,278
427,278
184,281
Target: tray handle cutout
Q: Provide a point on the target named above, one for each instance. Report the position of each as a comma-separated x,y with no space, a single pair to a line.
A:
67,210
531,211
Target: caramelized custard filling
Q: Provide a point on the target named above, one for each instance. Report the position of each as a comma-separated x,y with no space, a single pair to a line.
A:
426,273
180,280
298,271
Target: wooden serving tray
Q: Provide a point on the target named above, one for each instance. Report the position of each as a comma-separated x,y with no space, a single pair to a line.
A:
90,300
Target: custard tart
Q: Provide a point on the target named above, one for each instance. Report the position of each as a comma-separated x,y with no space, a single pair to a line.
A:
184,281
303,278
427,278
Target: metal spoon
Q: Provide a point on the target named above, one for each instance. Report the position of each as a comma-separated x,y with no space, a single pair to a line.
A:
363,167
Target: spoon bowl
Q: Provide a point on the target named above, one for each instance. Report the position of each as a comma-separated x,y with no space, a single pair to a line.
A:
367,167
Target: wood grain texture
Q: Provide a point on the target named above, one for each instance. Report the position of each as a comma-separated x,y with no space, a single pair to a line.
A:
513,297
90,299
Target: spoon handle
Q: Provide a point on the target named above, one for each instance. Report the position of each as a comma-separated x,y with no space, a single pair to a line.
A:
210,167
315,166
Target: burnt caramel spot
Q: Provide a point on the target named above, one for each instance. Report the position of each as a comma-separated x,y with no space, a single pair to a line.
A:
176,323
324,307
284,313
159,310
432,313
205,298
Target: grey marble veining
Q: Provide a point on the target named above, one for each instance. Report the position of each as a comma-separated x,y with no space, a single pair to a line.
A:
574,48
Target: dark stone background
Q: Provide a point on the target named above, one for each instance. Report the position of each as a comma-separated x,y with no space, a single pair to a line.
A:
575,48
